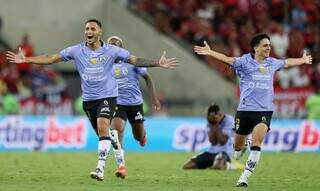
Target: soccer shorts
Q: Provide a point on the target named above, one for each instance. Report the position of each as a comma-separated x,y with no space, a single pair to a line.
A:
205,160
133,113
245,121
99,108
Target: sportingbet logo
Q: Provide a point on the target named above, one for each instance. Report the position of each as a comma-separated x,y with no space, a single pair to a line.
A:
39,134
303,136
191,137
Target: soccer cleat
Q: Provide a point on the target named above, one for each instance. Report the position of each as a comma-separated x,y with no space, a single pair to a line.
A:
121,172
143,141
243,181
97,174
242,184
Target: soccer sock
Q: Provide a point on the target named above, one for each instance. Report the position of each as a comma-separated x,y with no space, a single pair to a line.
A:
103,151
252,161
119,155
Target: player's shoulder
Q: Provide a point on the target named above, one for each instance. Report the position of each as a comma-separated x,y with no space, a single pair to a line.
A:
111,47
77,46
228,120
229,116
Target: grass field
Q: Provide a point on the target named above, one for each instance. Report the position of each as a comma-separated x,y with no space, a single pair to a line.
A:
152,172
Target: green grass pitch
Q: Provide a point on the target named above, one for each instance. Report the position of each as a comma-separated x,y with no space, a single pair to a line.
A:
152,172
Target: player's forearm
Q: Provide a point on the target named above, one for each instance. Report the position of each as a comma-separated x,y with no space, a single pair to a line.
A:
43,59
143,62
221,57
220,138
294,62
151,88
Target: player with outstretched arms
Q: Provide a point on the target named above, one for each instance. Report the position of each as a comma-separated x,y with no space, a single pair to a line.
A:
256,71
94,60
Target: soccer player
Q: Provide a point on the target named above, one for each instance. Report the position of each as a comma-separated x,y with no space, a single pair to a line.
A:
129,104
94,61
220,132
254,113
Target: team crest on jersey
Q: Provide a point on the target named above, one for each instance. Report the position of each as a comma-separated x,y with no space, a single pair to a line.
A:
98,60
120,71
264,69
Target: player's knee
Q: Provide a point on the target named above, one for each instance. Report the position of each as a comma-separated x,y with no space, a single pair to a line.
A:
257,141
118,126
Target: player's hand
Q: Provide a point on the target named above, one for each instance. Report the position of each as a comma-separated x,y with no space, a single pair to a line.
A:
307,58
168,63
156,105
16,58
203,50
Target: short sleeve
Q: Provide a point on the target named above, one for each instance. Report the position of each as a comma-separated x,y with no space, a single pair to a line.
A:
238,63
141,70
123,54
68,53
277,63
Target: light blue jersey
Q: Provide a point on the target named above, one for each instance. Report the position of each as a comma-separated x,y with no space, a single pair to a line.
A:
256,82
95,69
127,77
225,126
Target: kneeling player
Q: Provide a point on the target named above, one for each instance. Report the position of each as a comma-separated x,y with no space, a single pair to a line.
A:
220,134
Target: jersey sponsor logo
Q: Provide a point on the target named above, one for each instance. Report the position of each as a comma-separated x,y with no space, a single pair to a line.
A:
93,74
105,102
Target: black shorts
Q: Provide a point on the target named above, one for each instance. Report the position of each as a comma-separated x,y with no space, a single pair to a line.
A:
245,121
206,159
99,108
133,113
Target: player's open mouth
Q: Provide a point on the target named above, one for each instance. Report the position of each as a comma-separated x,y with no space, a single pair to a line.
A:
90,37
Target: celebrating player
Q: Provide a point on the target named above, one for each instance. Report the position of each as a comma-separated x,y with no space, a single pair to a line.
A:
254,113
129,104
94,60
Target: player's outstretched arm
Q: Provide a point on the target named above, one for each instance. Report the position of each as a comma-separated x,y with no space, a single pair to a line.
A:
152,90
206,50
163,62
305,59
43,59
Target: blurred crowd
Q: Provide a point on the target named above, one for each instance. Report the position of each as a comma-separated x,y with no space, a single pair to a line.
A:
229,25
26,88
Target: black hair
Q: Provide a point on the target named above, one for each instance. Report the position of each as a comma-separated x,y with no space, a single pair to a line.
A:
213,108
256,40
94,21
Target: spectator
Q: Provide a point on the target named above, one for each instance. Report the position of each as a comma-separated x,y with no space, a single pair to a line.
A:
27,49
